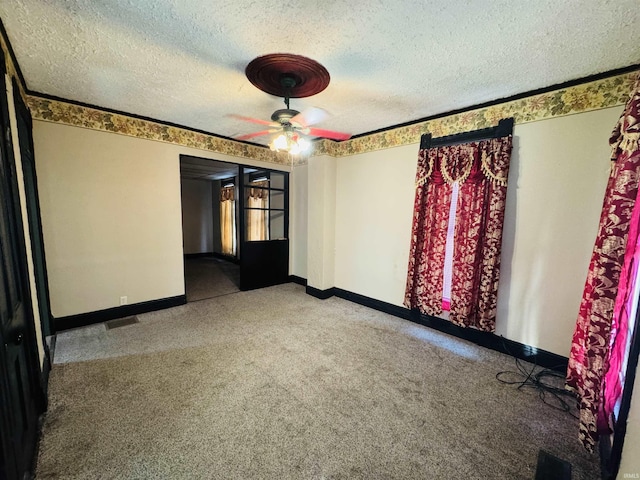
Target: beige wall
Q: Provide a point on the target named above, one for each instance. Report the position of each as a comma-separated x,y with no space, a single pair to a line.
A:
556,187
321,222
111,215
197,215
298,221
558,174
374,207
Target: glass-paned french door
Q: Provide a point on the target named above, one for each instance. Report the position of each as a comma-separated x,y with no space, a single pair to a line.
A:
264,197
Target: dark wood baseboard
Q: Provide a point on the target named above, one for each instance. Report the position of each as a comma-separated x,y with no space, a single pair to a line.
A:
83,319
321,294
379,305
228,258
489,340
537,356
221,256
298,280
44,380
605,445
198,255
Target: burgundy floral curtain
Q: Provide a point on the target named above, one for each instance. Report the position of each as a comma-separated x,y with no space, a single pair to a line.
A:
429,234
481,169
478,235
588,361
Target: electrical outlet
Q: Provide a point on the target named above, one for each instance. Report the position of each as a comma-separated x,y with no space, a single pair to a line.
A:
123,300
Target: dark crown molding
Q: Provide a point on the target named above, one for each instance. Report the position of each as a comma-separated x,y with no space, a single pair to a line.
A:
557,86
518,96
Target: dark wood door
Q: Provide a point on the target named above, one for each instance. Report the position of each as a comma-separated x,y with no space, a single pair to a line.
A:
264,228
19,400
24,123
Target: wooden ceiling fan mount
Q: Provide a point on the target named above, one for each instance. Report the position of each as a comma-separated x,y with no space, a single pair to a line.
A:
282,73
290,76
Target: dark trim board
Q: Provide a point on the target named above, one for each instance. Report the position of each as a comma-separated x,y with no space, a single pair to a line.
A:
321,294
379,305
489,340
298,280
198,255
534,355
518,96
44,378
221,256
492,341
228,258
503,129
89,318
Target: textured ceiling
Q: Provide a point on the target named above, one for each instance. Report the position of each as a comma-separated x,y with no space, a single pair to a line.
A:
391,62
204,169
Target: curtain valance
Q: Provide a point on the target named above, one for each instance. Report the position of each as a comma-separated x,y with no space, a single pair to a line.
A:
227,193
468,161
259,193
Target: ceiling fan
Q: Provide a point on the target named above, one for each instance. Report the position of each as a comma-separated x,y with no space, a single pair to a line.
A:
290,76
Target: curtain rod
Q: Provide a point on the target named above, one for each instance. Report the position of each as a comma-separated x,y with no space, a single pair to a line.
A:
503,129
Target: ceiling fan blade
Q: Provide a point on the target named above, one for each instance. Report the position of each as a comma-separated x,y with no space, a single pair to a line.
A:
254,134
318,132
310,116
254,120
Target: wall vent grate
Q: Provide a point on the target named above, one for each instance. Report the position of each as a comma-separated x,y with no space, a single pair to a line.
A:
121,322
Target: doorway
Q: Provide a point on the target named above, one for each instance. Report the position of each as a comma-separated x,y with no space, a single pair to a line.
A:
209,227
235,223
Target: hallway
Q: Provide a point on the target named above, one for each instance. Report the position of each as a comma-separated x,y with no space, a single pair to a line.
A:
209,277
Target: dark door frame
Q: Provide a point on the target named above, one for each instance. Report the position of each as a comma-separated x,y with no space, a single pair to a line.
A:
27,153
240,214
32,361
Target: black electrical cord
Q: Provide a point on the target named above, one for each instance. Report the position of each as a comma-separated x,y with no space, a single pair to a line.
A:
556,397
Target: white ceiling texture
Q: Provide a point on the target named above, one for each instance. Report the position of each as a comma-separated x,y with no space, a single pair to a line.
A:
391,62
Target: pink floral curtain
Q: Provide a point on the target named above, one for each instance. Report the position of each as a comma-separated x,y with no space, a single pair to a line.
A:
622,311
481,169
589,358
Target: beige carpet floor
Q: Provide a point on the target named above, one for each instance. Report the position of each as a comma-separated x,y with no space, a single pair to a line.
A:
208,277
275,384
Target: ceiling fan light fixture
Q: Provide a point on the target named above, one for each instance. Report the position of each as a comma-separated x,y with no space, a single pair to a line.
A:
290,142
280,143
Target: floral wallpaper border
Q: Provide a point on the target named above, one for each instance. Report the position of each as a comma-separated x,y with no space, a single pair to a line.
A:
604,93
596,95
95,119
